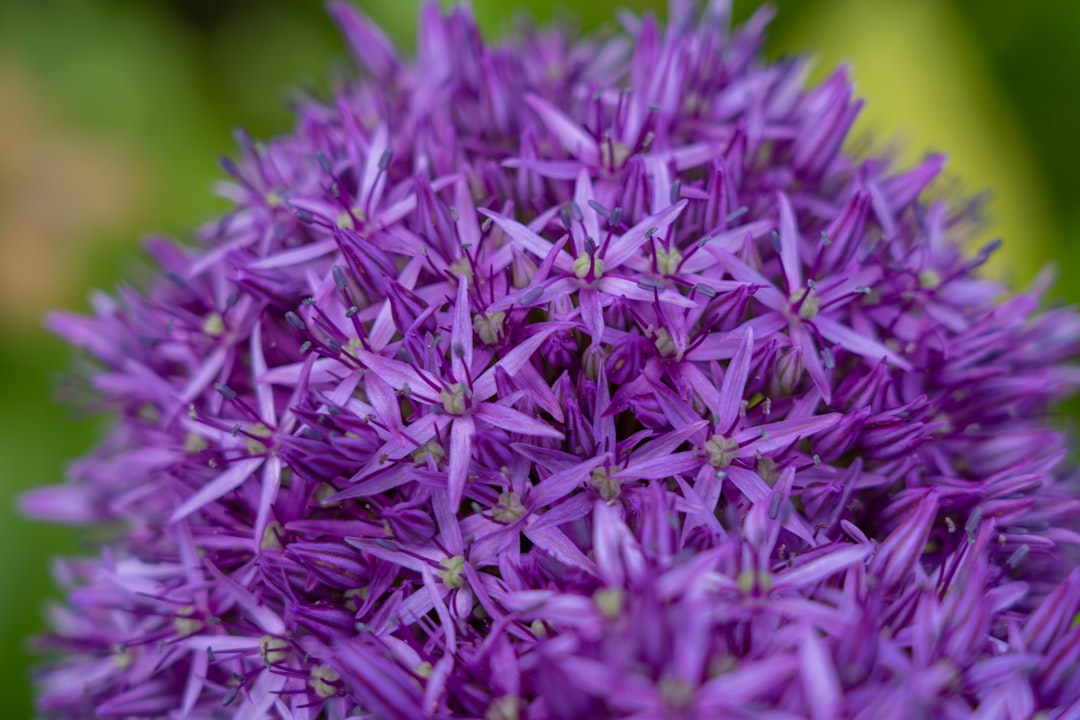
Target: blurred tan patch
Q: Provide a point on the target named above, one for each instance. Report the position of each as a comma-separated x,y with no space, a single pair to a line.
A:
60,189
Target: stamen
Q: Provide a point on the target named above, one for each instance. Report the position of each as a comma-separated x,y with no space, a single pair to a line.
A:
533,295
339,278
293,319
385,159
676,192
774,506
225,391
564,217
736,214
1018,556
324,163
973,523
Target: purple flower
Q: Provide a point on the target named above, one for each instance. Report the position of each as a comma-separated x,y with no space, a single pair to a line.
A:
572,379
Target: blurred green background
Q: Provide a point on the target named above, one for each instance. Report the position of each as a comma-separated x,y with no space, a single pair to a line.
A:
113,113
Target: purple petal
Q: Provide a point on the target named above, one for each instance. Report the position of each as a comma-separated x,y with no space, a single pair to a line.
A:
570,135
583,193
903,547
201,380
734,385
512,362
858,343
554,169
736,689
623,287
515,421
819,679
592,313
661,468
271,484
461,334
813,572
419,382
380,684
554,542
789,244
68,504
220,486
626,245
296,256
264,394
562,483
264,618
779,435
812,360
529,240
461,439
366,41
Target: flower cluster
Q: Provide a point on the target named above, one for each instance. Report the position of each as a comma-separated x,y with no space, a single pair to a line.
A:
573,378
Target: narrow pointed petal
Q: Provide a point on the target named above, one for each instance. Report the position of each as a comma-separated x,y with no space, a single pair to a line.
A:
820,682
734,384
734,690
366,41
626,245
205,375
461,441
811,357
904,546
263,392
515,421
264,618
592,313
553,541
467,226
813,572
400,375
570,135
623,287
562,483
296,256
271,485
223,484
195,683
512,362
461,334
661,468
858,343
583,193
529,240
378,682
776,436
789,244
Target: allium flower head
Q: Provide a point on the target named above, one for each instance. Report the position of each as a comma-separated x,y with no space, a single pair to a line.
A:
572,378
